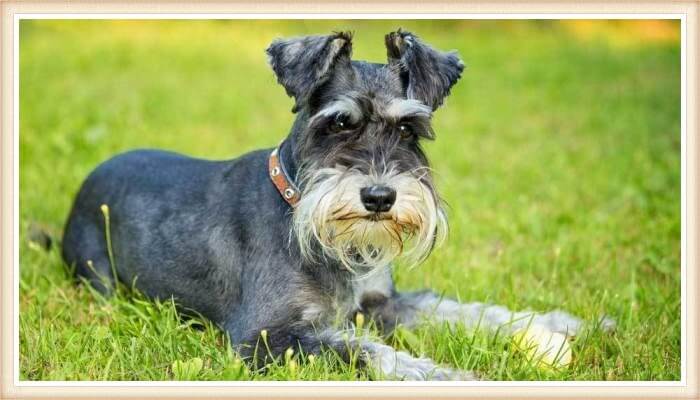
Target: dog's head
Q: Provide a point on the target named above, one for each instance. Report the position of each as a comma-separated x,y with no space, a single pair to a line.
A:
367,192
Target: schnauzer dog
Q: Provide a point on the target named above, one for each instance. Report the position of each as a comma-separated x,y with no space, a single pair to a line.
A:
294,239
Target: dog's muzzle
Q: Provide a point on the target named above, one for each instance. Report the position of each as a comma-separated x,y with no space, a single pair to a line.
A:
366,220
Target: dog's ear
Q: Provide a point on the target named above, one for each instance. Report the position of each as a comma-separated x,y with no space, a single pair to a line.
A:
427,74
304,63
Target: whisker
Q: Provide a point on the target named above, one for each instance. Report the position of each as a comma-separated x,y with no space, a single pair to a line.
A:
344,232
394,234
335,214
349,216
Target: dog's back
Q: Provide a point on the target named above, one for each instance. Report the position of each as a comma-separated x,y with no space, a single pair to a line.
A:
166,213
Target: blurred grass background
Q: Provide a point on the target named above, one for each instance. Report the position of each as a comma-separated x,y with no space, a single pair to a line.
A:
558,153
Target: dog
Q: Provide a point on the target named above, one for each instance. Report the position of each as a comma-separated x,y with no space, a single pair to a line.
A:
294,241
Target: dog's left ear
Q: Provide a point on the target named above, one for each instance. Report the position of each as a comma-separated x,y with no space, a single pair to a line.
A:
427,74
302,64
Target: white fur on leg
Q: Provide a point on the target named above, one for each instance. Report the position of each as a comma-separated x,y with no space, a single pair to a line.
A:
480,315
392,364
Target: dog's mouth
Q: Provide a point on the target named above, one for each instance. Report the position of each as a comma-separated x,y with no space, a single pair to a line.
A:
370,216
378,216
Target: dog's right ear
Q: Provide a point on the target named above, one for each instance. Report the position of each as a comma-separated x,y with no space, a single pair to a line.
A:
428,74
302,64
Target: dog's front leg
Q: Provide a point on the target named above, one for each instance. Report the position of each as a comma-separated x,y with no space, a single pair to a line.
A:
388,363
384,361
410,308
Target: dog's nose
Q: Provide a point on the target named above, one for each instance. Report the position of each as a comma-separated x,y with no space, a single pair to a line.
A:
378,198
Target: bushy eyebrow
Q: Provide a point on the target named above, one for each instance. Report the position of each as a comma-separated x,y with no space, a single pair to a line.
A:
404,108
342,105
396,110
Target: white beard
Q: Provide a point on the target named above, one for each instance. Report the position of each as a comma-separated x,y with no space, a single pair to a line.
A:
331,213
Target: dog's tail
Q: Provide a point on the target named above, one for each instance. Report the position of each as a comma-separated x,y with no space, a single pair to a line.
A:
41,236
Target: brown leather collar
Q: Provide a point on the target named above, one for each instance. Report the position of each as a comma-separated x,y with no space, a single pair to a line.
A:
289,192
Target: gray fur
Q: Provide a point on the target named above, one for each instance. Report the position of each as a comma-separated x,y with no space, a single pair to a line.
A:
304,63
217,236
430,74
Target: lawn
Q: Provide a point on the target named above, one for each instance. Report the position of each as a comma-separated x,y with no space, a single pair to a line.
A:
558,154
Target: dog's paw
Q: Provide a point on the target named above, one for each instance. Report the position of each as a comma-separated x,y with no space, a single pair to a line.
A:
399,365
607,324
449,374
566,324
560,322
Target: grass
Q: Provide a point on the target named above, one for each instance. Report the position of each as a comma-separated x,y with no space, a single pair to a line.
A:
558,152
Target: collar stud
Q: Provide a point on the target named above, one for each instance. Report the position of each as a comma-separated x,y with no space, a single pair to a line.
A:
278,175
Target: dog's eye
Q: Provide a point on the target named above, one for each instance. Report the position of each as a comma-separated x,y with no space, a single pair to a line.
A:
340,123
405,130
